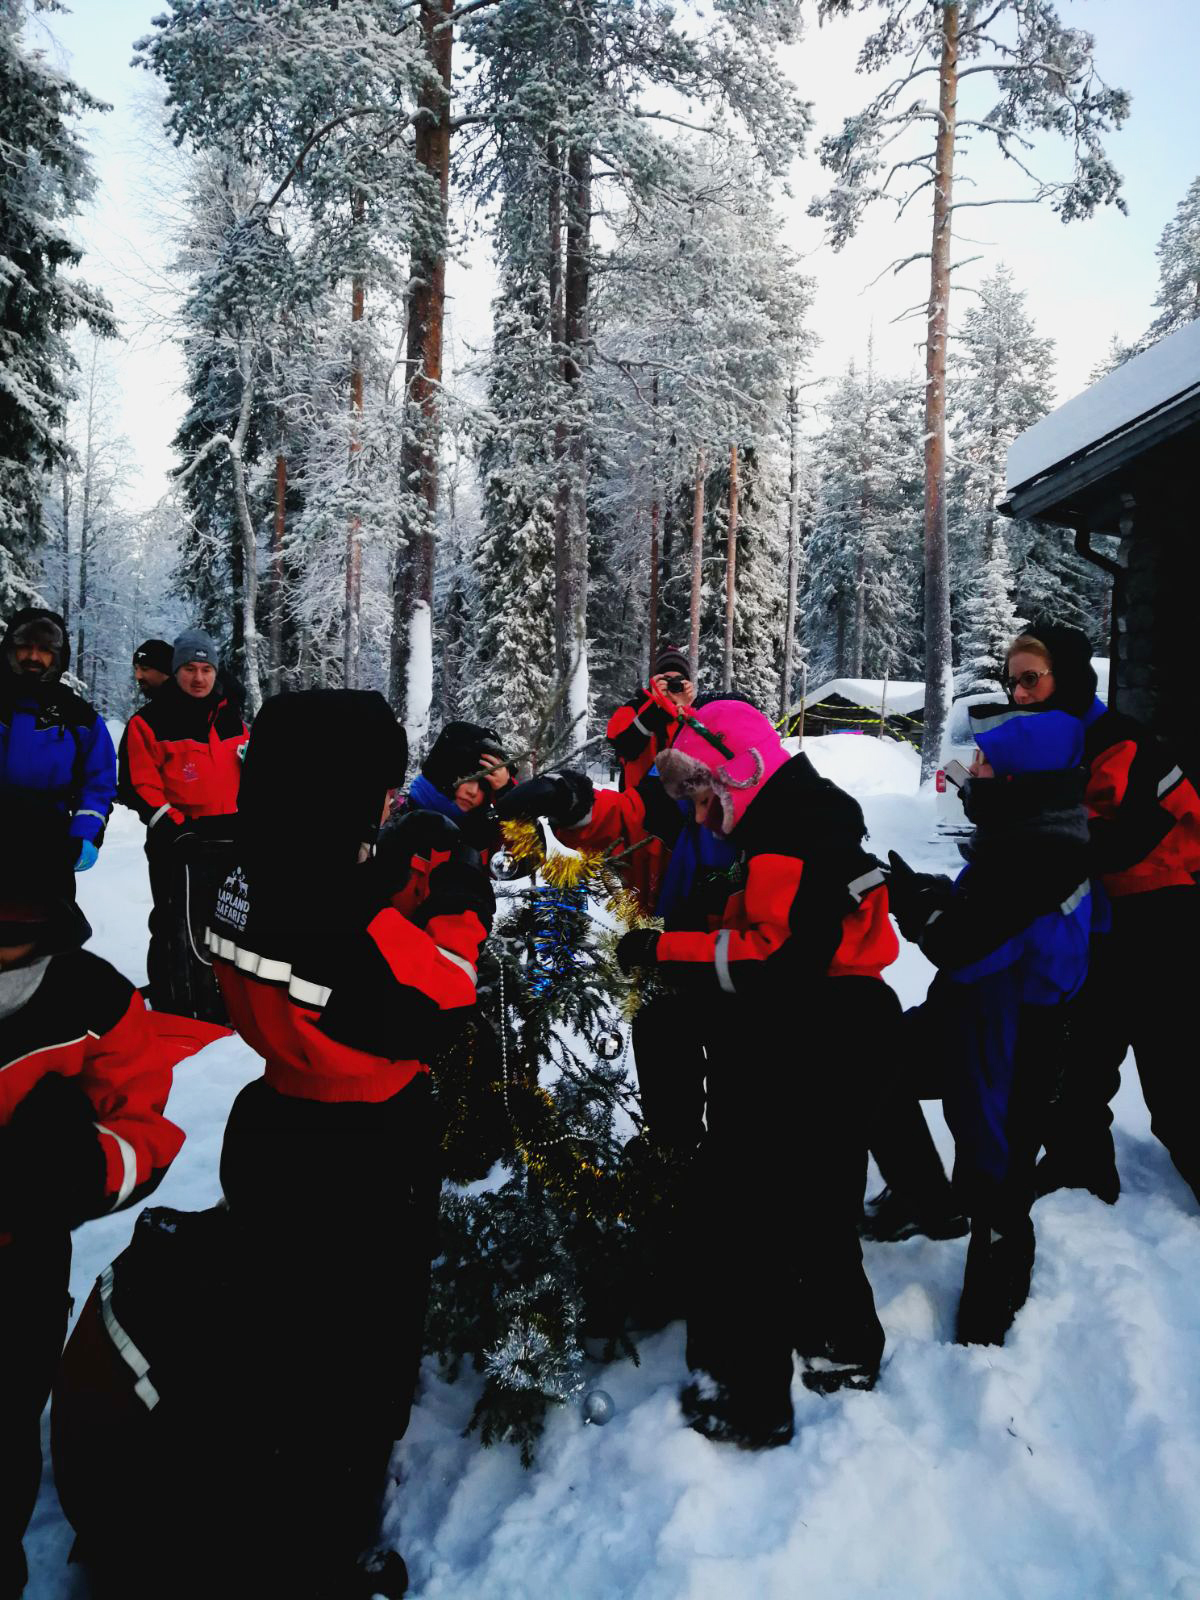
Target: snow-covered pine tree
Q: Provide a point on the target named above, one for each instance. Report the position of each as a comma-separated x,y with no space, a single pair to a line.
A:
317,102
1178,297
1178,253
47,180
591,89
861,595
1046,79
105,566
511,668
700,326
1001,384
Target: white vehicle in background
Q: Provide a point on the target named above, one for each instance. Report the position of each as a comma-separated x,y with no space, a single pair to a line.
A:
958,744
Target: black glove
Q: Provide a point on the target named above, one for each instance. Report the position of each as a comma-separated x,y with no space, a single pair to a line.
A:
913,897
455,887
481,828
52,1167
562,797
639,948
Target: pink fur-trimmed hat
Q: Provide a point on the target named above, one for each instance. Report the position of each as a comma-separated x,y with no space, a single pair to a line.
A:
752,754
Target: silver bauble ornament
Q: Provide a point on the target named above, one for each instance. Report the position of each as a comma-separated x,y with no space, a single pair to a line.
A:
504,867
598,1407
608,1044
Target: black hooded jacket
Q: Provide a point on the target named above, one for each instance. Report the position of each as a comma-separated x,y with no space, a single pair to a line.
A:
335,988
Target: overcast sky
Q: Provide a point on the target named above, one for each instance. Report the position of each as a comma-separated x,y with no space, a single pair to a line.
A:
1085,281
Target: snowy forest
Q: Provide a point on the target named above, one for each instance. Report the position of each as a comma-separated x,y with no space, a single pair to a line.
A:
641,453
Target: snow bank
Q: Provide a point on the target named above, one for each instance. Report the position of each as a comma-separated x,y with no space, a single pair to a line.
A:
863,764
1150,381
1062,1467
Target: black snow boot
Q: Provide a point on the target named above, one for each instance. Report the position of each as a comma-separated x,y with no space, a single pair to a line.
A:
838,1335
1094,1170
996,1281
752,1422
891,1216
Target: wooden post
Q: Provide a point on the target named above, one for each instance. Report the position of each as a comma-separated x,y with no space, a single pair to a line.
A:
697,565
730,570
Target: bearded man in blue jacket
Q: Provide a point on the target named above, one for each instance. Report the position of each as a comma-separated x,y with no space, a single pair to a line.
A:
54,748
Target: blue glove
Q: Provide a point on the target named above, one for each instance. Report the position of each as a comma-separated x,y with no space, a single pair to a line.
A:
88,854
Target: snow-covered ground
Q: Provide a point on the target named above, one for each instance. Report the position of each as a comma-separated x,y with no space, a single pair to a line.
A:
1065,1466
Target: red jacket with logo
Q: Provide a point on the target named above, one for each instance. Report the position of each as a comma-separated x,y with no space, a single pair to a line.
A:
184,756
1144,813
349,1006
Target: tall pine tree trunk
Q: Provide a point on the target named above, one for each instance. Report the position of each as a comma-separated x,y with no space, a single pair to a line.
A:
730,571
697,566
938,660
64,473
249,609
352,613
793,555
278,600
87,509
576,290
655,512
558,336
412,606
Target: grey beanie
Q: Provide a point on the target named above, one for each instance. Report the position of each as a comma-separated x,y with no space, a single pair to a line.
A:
193,644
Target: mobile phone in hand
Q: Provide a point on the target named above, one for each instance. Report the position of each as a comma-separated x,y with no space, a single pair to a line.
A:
956,773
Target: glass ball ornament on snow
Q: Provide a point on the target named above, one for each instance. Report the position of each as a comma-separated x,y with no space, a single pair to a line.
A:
608,1044
598,1407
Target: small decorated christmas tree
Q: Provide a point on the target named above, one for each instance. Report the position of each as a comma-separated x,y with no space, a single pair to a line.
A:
536,1274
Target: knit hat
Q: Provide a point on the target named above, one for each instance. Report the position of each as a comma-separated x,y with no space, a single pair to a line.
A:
193,644
156,654
672,659
743,751
456,754
47,631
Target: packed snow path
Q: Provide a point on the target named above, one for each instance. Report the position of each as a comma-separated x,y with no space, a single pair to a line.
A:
1065,1466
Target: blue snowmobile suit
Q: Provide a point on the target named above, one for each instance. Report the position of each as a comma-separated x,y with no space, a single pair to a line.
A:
1010,935
54,747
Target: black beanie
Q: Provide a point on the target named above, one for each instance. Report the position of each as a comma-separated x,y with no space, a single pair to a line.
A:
1071,658
155,654
672,659
456,754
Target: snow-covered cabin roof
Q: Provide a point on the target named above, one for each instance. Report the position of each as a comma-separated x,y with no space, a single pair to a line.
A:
901,698
1142,404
